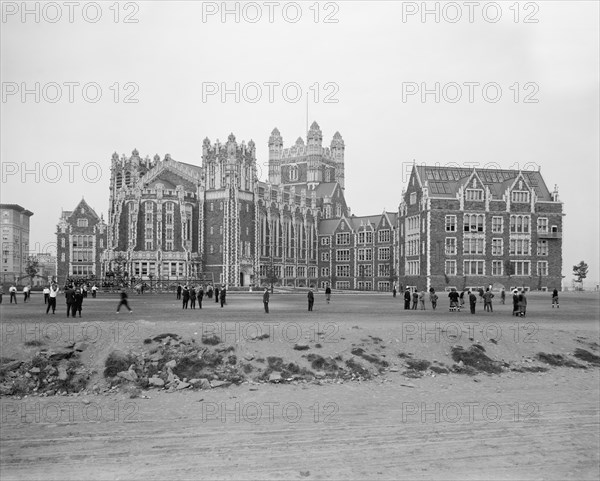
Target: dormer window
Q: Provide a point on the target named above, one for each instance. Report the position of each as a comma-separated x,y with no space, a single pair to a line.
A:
413,198
520,196
82,222
474,194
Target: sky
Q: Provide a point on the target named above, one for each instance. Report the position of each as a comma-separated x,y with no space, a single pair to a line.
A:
497,84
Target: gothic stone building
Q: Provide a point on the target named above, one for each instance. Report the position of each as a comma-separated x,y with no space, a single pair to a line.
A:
217,222
477,227
81,240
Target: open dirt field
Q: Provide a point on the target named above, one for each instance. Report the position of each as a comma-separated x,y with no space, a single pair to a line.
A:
402,418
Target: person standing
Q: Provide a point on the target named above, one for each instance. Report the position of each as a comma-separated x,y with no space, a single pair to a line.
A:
192,297
200,296
453,296
472,301
84,290
487,300
433,297
222,296
502,296
70,298
311,299
406,299
394,291
94,289
78,304
217,295
46,293
515,303
555,298
12,290
266,299
328,293
209,291
52,298
522,304
422,300
124,302
26,293
415,300
462,298
185,297
179,289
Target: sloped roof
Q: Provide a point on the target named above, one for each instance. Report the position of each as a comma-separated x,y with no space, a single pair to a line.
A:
325,189
328,226
83,203
446,181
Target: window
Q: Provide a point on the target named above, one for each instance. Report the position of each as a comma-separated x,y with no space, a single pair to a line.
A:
474,194
169,245
413,198
365,254
413,268
211,206
365,237
519,224
312,272
383,270
497,268
342,285
497,225
519,247
542,268
343,239
342,271
473,246
365,285
383,254
383,235
325,256
520,268
101,243
473,223
473,268
497,247
450,268
542,248
365,270
450,246
220,230
542,225
62,242
338,210
289,271
325,272
519,196
301,271
212,230
383,286
450,223
82,222
324,241
293,172
342,255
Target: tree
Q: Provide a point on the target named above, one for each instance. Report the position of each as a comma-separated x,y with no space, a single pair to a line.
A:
580,272
32,268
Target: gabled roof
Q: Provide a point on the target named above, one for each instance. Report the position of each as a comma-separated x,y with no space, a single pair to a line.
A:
325,189
85,205
446,181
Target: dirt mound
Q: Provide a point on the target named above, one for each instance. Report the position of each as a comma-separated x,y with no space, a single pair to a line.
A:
474,360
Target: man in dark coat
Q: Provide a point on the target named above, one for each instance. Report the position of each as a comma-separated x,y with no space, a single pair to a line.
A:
70,298
328,293
179,289
515,303
217,295
78,303
311,299
266,299
222,296
124,302
555,298
472,301
415,299
406,299
185,294
192,297
200,296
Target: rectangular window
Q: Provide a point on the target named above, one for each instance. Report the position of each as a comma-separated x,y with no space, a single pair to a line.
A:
473,246
324,241
474,194
497,247
169,245
542,248
342,255
542,268
521,268
473,223
497,268
383,235
383,286
289,271
365,285
473,268
383,270
450,246
301,271
342,271
342,285
365,254
82,222
325,256
497,225
450,223
413,198
342,239
520,247
450,268
383,254
325,272
542,225
413,268
519,224
365,270
519,196
365,237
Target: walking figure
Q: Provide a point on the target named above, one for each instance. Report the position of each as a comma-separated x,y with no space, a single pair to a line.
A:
266,299
555,298
124,302
26,290
311,299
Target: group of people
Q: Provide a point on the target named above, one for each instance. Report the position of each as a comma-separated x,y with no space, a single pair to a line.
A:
418,299
192,294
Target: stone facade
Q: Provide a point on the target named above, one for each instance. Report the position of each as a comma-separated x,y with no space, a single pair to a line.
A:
15,242
469,228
